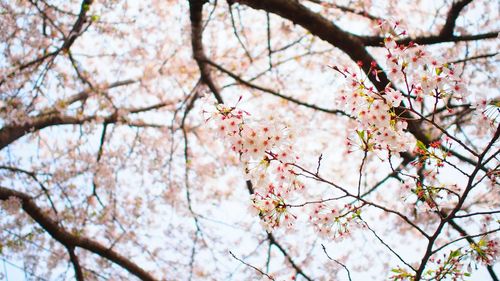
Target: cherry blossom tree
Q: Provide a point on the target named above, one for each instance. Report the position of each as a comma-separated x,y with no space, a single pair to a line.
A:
249,140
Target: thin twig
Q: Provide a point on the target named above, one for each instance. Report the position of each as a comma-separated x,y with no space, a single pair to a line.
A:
336,261
249,265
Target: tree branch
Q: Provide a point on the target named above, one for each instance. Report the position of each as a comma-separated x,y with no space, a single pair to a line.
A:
471,241
274,93
457,207
11,133
347,9
349,43
196,16
451,19
376,41
76,264
254,267
273,241
77,27
70,240
323,28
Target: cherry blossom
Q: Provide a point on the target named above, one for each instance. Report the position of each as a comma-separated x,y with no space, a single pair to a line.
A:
249,140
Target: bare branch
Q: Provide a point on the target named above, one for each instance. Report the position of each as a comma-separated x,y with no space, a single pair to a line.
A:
274,93
76,264
249,265
336,261
451,19
77,27
196,16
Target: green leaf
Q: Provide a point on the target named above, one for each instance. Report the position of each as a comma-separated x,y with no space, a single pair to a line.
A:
421,145
361,134
396,270
455,253
495,103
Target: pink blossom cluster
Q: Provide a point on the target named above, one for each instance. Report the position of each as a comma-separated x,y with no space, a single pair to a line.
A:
449,267
331,223
428,80
272,210
379,127
421,73
485,251
266,153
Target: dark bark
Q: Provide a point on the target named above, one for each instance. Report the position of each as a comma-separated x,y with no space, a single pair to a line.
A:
71,240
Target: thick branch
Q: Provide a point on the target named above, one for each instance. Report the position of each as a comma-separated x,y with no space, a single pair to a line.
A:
445,35
350,44
196,16
70,240
77,27
76,264
323,28
11,133
376,41
451,19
